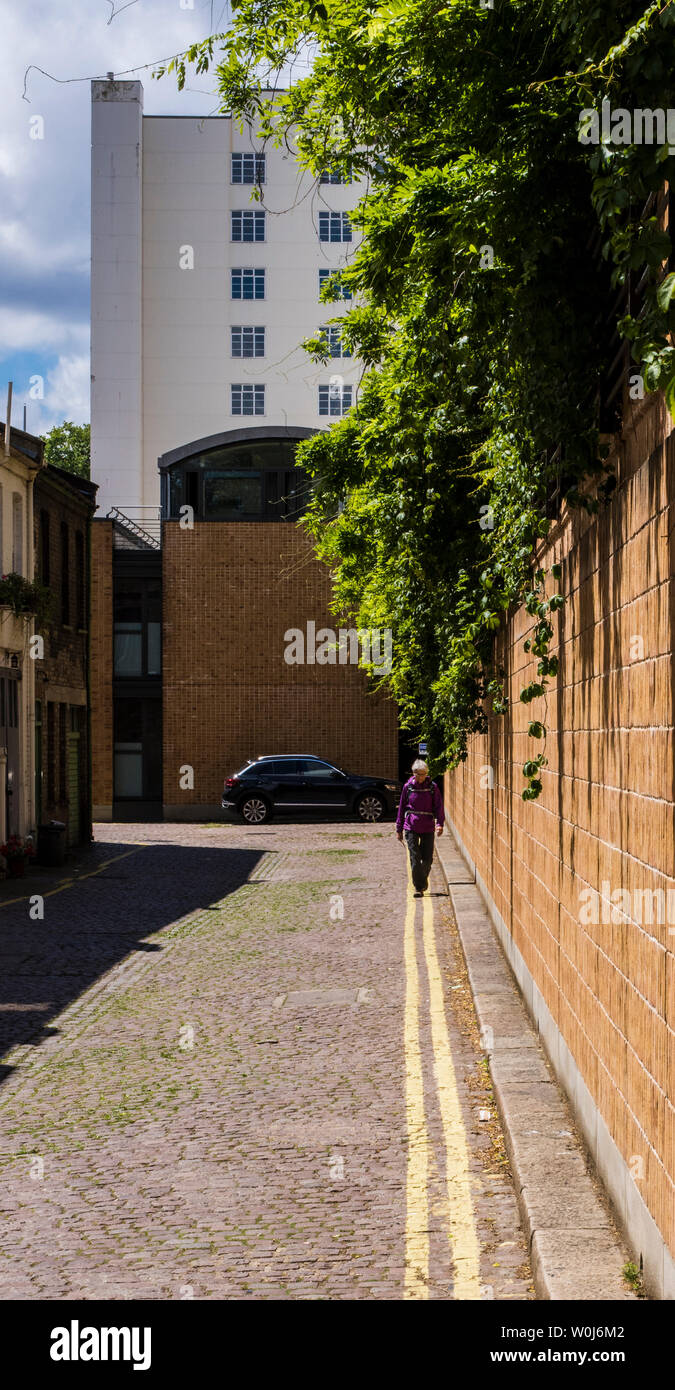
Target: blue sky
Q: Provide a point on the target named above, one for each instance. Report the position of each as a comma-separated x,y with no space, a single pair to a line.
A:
44,183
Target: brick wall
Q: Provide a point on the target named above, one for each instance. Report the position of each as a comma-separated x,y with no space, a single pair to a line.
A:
61,676
101,653
231,591
606,814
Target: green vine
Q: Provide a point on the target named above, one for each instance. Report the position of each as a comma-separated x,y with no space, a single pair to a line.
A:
479,307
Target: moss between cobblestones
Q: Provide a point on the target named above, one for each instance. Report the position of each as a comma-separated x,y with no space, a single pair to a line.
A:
329,853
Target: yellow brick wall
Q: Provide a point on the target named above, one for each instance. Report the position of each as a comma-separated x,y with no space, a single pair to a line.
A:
231,591
607,809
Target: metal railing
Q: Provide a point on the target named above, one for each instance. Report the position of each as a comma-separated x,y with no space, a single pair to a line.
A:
143,524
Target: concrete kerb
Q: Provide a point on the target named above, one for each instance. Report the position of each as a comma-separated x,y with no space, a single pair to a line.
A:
575,1247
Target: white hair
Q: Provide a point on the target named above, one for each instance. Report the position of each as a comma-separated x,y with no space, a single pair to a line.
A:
418,764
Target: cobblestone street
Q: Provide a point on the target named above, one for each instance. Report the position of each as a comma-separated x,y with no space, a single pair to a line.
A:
243,1063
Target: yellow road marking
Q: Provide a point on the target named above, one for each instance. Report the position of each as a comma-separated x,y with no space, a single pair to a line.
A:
462,1226
68,882
417,1197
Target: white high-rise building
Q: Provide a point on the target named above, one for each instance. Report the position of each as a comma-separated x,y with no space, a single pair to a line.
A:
201,295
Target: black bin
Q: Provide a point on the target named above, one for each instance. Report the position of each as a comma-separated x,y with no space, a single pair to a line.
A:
51,845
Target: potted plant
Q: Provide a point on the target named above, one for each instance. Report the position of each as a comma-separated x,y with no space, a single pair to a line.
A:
16,851
26,598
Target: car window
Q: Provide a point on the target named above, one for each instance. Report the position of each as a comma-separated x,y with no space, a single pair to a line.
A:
270,768
314,768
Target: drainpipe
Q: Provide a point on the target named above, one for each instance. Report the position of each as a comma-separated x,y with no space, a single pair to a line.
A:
9,418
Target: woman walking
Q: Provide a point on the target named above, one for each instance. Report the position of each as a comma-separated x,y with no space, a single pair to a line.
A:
421,806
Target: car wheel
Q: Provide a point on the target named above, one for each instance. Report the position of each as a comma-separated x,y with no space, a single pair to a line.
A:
370,807
254,809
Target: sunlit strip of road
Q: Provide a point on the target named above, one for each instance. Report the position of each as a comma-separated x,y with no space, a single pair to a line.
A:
462,1225
417,1198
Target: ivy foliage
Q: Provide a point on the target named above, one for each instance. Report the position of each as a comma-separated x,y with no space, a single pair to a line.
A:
479,305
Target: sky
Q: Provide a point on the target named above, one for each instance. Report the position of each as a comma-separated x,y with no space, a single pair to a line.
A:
45,183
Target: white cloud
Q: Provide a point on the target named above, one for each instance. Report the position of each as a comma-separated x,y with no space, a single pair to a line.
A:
44,183
25,330
66,396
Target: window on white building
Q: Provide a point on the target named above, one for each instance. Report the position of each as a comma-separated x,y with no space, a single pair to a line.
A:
333,335
338,290
334,176
248,282
334,226
335,399
248,168
248,225
248,399
247,340
17,533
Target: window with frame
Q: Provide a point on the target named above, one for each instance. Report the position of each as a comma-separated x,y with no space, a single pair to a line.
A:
80,582
338,290
248,225
17,533
9,703
248,399
253,479
44,547
333,336
63,753
137,618
65,575
248,168
248,282
128,732
334,176
232,493
248,340
335,400
51,752
318,771
334,226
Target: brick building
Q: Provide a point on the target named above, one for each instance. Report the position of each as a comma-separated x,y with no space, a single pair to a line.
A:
189,676
63,506
201,298
20,462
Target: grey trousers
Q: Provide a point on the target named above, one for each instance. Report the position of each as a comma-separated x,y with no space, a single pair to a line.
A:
421,850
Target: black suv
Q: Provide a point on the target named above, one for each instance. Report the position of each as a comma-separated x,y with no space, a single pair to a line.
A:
302,782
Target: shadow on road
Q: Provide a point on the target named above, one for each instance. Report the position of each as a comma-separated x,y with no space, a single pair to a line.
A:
92,925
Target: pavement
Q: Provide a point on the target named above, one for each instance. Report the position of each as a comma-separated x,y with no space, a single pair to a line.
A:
575,1248
244,1063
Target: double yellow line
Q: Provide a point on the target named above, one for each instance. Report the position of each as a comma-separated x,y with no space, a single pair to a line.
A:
69,882
458,1213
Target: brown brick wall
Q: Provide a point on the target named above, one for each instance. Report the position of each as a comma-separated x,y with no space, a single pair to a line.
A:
607,809
101,653
231,590
61,677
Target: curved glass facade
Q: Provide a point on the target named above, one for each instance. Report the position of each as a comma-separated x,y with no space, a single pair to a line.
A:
251,480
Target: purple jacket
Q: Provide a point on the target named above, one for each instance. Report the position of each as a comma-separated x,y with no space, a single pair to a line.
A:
420,807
